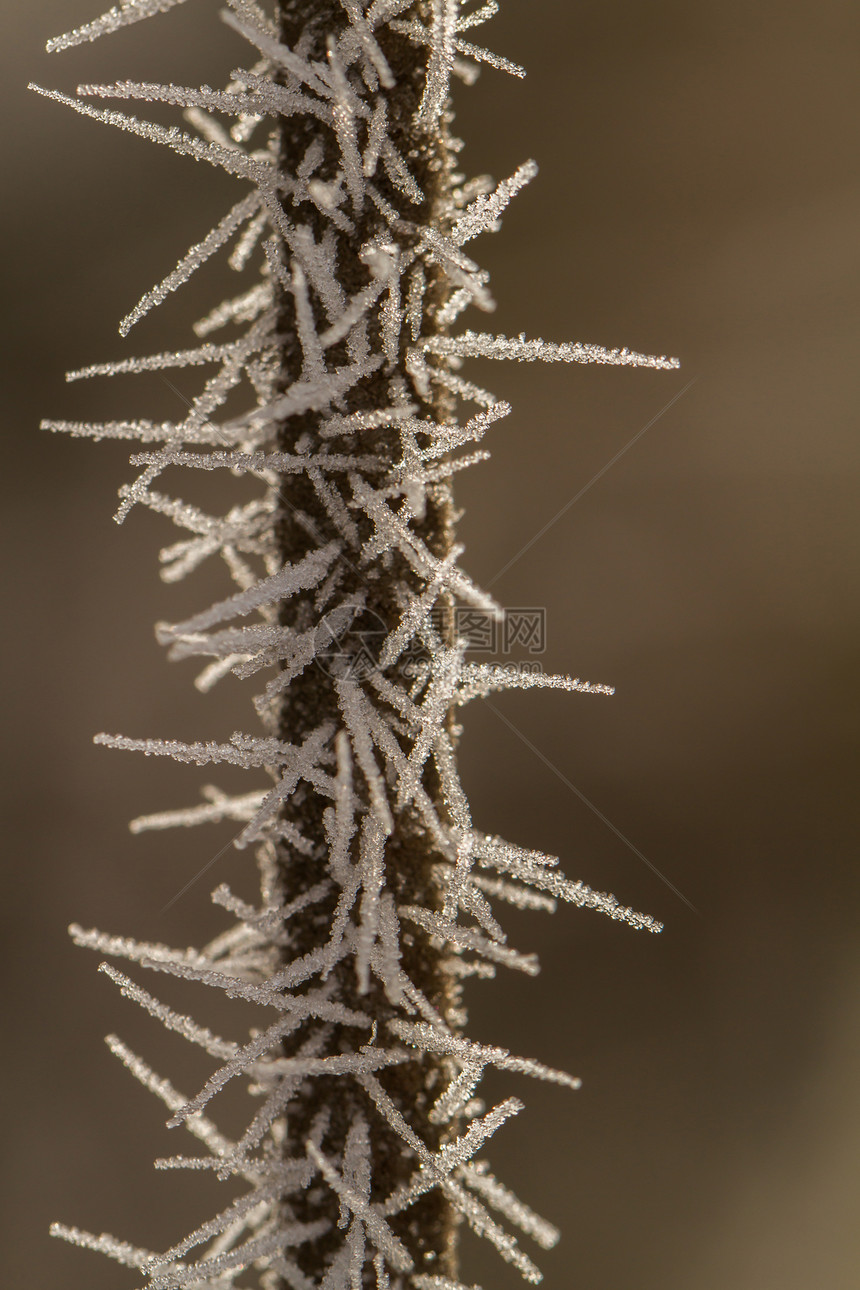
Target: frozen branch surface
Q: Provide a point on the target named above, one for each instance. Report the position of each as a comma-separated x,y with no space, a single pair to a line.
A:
375,887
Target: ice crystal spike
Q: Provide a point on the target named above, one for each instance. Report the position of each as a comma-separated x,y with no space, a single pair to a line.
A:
341,364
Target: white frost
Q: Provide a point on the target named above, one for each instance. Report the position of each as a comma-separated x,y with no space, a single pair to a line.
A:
338,396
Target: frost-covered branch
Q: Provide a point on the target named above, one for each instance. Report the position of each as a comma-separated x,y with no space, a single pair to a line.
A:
337,388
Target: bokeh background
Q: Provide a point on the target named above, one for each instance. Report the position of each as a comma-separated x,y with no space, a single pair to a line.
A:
698,196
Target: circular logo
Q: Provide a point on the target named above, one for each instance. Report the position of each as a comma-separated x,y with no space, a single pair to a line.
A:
348,644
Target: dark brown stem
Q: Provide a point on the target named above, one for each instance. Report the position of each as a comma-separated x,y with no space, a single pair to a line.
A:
428,1228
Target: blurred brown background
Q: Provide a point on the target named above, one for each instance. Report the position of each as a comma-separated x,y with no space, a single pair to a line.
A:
698,196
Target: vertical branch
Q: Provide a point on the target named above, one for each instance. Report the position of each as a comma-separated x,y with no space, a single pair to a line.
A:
303,521
375,895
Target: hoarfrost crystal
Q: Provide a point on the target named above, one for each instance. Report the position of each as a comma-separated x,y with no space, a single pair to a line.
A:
375,904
